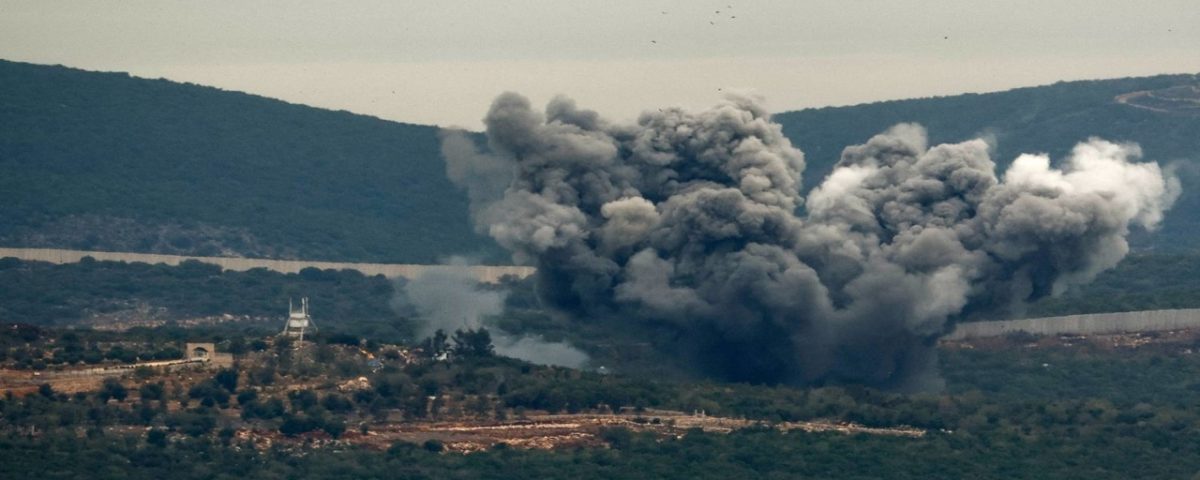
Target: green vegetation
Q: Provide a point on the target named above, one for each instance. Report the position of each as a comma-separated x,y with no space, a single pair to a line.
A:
28,347
106,161
110,162
1060,412
747,454
1141,282
1166,377
344,302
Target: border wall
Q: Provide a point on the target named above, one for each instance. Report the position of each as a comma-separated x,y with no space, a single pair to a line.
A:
1088,324
484,273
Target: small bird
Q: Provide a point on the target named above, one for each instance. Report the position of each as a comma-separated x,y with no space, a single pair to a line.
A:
654,42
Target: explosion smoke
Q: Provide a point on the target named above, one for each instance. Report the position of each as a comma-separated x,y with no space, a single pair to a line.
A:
689,220
449,300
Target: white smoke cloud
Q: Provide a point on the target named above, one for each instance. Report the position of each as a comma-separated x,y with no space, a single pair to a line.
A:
449,300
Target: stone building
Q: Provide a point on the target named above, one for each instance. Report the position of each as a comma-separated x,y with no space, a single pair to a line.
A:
207,352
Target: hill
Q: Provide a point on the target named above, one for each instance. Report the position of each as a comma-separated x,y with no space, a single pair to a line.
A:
112,162
106,161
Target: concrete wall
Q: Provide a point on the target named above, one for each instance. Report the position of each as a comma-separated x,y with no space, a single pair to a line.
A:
488,274
1090,324
105,371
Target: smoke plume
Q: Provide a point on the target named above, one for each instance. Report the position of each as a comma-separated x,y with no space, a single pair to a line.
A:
689,220
448,300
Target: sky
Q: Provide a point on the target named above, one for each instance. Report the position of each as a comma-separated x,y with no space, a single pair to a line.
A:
442,62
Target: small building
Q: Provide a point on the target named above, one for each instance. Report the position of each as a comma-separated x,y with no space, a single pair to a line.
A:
207,353
200,351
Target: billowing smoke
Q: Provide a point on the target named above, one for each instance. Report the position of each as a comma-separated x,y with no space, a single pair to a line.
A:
689,221
448,300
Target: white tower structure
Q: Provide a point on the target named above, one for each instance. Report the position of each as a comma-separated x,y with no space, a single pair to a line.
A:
298,321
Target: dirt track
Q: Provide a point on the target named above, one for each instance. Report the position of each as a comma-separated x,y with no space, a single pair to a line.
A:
547,431
24,382
1184,99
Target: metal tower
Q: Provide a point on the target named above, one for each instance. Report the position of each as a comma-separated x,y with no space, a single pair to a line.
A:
298,321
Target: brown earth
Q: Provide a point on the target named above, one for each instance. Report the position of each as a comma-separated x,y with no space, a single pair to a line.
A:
547,431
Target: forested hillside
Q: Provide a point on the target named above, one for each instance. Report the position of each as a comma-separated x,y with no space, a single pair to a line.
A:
106,161
108,294
110,162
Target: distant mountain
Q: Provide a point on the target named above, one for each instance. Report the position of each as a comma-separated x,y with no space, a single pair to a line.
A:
106,161
110,162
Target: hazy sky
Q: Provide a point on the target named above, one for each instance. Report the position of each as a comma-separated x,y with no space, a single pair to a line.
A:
442,62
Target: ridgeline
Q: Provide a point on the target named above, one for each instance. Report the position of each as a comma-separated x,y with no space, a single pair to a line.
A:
106,161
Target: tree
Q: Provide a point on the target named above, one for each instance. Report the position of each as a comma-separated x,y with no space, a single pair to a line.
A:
302,400
157,438
617,437
336,403
271,408
121,354
228,378
246,396
473,343
191,423
437,345
209,393
294,425
237,345
112,388
226,435
46,390
334,427
151,391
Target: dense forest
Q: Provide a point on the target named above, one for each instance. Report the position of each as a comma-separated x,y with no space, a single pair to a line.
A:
111,162
745,454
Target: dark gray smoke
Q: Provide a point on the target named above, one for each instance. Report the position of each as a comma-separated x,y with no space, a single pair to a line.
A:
688,220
